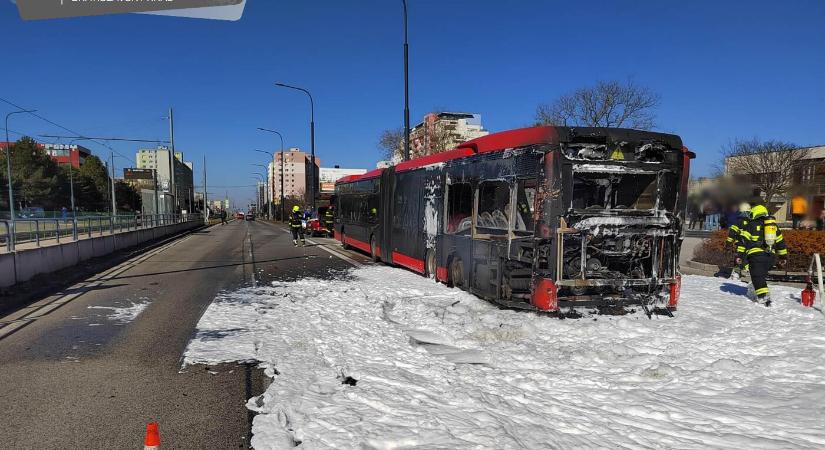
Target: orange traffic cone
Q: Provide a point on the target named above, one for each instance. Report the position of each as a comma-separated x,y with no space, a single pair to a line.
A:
152,439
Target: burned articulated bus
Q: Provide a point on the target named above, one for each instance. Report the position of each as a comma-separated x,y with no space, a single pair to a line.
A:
544,218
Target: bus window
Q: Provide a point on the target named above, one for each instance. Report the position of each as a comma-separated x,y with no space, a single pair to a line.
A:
493,206
614,191
525,206
459,208
372,208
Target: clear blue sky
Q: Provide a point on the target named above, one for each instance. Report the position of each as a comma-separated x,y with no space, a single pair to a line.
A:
723,70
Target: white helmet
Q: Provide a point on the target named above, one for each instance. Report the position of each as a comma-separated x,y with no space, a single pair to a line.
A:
744,207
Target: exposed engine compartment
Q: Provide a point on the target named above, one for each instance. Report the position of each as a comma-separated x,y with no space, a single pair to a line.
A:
615,257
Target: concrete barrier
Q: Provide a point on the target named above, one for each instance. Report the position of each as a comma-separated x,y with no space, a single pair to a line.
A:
23,265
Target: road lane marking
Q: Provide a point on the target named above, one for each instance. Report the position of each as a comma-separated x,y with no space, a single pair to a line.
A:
335,253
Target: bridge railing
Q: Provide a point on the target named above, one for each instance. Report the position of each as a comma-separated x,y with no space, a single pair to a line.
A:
22,231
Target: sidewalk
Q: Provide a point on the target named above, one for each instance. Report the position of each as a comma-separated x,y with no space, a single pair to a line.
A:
696,268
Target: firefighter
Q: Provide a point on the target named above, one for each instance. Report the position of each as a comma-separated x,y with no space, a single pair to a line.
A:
763,244
735,239
329,219
296,225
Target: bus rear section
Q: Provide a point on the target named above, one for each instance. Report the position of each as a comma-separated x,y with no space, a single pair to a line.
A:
612,222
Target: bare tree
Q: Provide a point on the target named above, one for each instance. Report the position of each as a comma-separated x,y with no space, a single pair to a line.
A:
771,166
391,143
607,104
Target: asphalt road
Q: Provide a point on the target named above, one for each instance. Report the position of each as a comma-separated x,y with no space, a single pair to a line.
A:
73,376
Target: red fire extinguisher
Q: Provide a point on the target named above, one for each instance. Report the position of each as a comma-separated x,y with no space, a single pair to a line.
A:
808,295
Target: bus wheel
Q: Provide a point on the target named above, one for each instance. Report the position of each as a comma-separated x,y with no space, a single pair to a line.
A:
457,272
430,264
374,250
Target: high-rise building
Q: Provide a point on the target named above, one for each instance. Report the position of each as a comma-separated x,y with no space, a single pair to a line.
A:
297,175
158,159
441,131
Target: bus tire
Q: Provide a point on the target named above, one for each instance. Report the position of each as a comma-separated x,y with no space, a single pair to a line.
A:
430,264
457,272
374,250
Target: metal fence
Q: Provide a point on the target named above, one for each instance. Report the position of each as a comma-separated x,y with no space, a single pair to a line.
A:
21,231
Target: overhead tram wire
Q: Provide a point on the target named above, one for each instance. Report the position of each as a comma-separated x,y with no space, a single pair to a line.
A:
103,144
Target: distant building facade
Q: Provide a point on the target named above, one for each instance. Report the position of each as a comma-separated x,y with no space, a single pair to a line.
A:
298,174
62,153
158,159
808,181
441,131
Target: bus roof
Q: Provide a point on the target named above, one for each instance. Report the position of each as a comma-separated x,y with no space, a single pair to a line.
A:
485,144
520,137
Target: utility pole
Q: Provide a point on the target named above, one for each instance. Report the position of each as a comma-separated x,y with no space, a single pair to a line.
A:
406,88
205,207
114,201
155,176
172,186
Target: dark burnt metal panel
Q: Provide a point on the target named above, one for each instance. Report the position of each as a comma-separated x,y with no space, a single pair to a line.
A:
385,240
407,226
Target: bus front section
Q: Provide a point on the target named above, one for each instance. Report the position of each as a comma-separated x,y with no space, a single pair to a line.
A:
610,222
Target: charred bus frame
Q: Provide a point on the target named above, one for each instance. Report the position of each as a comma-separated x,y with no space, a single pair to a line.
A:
543,218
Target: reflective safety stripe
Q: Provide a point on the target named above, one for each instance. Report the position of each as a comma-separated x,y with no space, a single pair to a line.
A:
734,228
740,249
729,240
780,238
755,250
782,252
762,291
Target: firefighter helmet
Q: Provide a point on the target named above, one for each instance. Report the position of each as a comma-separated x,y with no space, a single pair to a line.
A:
744,207
758,211
296,208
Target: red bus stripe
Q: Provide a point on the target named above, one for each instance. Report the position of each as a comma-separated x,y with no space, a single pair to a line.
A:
357,244
408,262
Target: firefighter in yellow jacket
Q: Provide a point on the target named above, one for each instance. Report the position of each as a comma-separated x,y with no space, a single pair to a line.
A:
763,244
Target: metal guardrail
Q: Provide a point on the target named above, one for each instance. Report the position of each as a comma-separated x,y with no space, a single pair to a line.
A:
22,231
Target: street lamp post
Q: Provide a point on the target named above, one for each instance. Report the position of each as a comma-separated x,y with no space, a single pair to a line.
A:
71,193
258,191
8,173
312,138
268,194
406,88
283,212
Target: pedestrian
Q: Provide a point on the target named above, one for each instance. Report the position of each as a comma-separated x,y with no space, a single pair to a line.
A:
64,213
799,208
329,220
711,215
735,239
223,217
296,225
763,244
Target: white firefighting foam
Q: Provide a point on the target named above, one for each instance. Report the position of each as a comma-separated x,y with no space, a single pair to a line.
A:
439,368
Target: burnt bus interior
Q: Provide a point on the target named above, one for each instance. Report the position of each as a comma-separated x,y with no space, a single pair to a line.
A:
542,218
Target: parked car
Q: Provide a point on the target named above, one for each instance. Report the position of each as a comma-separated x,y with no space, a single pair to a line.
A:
315,226
239,215
250,215
32,213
